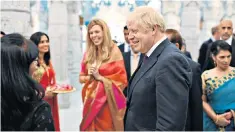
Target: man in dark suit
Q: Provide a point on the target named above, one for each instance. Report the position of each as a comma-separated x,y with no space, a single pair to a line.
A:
188,54
194,116
204,47
125,47
157,95
184,50
131,59
226,32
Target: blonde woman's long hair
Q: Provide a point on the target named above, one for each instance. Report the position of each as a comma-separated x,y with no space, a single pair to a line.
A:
106,45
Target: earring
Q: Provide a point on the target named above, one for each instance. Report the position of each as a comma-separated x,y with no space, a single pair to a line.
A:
215,64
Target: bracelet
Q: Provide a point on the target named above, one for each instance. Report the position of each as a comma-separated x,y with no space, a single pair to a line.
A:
217,119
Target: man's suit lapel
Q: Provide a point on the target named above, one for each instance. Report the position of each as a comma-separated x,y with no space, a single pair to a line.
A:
138,67
233,52
141,59
123,48
141,70
131,78
129,66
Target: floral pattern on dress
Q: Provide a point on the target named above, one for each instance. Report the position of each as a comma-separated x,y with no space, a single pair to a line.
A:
211,84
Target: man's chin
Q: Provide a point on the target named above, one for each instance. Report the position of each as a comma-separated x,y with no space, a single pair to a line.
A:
136,50
225,38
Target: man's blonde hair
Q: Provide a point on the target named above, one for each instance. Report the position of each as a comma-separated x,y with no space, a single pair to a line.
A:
106,45
147,17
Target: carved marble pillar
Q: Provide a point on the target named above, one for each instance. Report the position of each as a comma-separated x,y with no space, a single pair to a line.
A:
115,17
190,30
71,117
230,12
15,17
34,15
74,42
170,12
58,33
172,20
211,16
43,16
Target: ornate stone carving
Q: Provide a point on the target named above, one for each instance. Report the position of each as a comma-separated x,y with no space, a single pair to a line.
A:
15,17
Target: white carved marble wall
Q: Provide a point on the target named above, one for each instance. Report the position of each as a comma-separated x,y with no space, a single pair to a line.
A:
211,17
74,42
172,20
115,16
190,30
170,12
15,17
58,38
34,15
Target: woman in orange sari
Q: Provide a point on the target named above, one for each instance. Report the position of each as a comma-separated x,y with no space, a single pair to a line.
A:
45,75
104,77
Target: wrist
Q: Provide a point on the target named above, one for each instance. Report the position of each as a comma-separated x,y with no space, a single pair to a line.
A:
88,78
216,119
100,78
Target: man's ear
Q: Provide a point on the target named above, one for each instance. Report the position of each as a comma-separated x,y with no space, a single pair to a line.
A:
155,28
177,45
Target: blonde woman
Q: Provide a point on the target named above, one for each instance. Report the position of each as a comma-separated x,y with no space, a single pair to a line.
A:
104,77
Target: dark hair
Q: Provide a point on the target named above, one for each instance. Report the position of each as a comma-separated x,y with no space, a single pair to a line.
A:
125,28
3,33
32,51
219,45
18,40
19,91
175,37
36,38
14,38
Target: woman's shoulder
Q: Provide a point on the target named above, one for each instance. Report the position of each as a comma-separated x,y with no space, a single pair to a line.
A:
207,73
232,73
233,69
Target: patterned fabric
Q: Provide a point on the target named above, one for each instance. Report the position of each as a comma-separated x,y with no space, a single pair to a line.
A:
220,93
213,83
39,119
37,75
45,75
104,102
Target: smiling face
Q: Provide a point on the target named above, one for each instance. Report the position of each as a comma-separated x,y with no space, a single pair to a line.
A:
96,35
43,45
141,40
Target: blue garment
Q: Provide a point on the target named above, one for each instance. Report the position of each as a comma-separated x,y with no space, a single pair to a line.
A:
221,98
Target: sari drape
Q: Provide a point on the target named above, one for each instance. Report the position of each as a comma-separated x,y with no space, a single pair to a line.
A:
222,100
104,102
47,78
